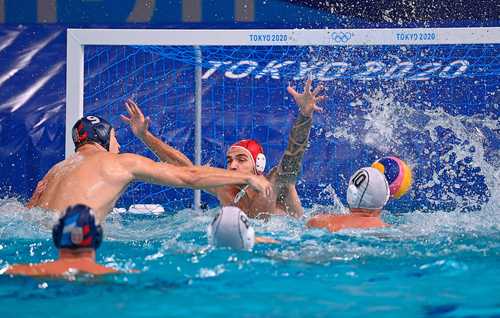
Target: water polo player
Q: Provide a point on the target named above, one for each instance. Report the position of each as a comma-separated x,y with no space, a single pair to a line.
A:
77,236
247,156
231,228
367,194
96,175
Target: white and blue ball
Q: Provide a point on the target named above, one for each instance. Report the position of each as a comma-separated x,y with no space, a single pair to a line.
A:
231,228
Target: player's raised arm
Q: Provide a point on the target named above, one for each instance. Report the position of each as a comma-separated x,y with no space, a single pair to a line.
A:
290,164
140,128
287,171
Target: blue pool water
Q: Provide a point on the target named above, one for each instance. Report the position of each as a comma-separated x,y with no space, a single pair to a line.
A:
427,265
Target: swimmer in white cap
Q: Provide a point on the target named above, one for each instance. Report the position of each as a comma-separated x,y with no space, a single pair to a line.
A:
367,194
247,156
231,228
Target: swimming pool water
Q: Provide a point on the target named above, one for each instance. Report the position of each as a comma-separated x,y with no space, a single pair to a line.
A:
426,265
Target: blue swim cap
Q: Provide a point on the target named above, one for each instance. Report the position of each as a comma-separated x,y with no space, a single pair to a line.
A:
92,129
77,229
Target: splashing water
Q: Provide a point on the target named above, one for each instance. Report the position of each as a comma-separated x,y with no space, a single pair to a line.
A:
455,158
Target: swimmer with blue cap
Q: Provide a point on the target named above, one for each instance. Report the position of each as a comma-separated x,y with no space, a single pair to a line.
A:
97,174
77,237
367,194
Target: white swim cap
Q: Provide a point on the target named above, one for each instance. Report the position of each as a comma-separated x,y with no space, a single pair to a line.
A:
231,228
368,189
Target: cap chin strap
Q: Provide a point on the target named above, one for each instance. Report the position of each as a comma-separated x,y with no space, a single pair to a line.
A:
240,194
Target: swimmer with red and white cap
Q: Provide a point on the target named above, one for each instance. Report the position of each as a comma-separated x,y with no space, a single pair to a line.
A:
247,156
367,194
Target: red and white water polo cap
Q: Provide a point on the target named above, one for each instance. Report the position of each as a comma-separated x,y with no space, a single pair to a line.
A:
255,151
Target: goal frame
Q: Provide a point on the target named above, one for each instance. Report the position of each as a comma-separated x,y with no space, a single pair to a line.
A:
77,39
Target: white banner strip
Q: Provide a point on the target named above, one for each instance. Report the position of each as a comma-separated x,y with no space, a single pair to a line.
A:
344,37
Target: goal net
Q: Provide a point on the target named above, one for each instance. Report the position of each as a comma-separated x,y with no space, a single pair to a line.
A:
428,96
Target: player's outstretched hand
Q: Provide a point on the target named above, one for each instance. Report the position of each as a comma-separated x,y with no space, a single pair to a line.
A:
138,123
307,100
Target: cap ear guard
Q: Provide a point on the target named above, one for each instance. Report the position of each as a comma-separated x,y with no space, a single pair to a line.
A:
98,237
57,232
357,180
260,163
102,130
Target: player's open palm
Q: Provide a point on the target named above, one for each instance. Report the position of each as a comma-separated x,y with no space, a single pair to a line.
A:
137,121
307,100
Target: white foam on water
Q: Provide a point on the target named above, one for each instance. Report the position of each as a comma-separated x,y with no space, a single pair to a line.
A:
17,221
415,234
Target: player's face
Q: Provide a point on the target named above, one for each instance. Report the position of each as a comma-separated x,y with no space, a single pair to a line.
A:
114,146
238,159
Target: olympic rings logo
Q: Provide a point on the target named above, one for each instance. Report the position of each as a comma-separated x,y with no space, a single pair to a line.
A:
341,37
